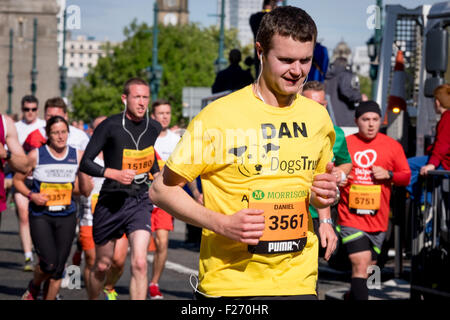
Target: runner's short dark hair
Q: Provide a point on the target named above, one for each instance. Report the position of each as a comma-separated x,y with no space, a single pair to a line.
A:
56,102
158,103
286,21
130,82
29,99
314,86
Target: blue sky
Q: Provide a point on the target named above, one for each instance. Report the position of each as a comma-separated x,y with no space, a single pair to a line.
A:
336,19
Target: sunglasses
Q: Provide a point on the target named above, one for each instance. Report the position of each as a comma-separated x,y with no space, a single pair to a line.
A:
29,109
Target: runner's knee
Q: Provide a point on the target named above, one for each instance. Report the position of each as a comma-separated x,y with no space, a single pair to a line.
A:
102,265
139,264
48,268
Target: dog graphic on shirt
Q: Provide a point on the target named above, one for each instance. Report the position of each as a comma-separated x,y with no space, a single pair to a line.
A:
253,159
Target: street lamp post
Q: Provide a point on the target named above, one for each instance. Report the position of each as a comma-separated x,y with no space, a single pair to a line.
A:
34,71
373,48
63,69
156,70
221,63
10,72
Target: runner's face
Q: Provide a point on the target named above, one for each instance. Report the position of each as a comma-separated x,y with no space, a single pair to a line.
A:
369,125
58,135
162,114
286,65
30,111
317,96
137,100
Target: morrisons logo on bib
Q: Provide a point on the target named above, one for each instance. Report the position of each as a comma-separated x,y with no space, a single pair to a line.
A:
258,195
280,195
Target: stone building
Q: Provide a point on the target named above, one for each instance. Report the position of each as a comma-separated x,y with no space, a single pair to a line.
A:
173,12
19,15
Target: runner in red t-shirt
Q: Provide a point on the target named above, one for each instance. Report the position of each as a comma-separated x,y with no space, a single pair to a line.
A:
378,162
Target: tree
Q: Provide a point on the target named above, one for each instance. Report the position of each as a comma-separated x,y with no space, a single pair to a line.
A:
187,54
365,84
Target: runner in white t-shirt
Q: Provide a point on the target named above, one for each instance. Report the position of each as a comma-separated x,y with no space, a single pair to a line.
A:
162,222
29,123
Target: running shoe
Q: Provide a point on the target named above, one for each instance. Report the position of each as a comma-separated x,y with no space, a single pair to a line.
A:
110,295
153,291
31,293
28,266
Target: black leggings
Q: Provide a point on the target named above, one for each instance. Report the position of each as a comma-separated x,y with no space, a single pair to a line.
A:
52,239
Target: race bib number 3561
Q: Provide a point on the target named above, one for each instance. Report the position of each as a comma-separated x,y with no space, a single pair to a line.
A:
286,220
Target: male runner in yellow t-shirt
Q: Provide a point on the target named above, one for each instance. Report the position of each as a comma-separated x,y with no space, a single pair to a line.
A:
263,154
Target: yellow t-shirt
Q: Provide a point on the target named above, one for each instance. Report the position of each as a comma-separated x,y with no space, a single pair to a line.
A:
248,152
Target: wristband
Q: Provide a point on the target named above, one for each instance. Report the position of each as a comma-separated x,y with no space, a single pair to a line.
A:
29,195
328,220
8,155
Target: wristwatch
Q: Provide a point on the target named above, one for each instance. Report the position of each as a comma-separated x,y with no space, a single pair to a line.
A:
328,220
338,197
391,174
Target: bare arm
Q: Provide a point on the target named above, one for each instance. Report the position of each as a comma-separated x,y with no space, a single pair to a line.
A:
18,161
19,182
328,238
167,192
198,196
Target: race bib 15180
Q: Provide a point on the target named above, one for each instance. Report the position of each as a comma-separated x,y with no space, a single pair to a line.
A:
286,220
139,160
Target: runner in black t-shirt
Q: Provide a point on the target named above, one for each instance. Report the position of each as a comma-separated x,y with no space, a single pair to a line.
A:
126,140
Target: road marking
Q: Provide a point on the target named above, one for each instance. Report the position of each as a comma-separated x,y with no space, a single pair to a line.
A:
175,267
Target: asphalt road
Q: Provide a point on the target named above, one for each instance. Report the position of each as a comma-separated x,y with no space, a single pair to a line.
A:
176,283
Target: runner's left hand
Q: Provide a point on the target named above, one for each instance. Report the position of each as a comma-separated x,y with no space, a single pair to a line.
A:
328,239
324,188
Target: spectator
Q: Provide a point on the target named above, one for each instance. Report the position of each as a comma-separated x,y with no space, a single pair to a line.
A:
255,22
232,78
439,157
342,87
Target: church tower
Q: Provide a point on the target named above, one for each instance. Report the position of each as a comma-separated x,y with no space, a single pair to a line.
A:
173,12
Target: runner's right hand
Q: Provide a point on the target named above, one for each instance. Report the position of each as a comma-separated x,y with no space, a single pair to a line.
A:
39,198
246,226
122,176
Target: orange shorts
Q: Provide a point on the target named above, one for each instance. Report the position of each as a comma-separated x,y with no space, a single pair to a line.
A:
87,239
161,220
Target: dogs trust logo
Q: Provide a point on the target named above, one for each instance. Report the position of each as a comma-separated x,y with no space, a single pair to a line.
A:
365,159
252,159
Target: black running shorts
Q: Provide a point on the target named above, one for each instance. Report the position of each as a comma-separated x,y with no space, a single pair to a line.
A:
117,213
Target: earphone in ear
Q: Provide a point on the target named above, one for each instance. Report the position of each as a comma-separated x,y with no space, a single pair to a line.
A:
125,102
